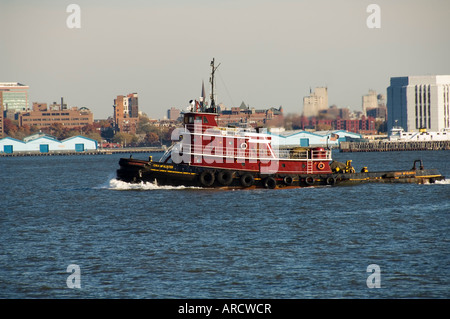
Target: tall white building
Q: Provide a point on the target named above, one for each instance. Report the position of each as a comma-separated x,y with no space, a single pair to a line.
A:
369,101
419,102
315,102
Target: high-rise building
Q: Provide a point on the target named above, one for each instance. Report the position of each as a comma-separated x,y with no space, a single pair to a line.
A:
379,113
173,114
15,97
419,102
315,102
119,108
126,113
369,101
133,107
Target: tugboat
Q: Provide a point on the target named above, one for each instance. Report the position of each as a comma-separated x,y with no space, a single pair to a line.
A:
206,155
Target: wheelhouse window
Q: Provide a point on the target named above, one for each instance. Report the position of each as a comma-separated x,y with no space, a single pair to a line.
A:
189,120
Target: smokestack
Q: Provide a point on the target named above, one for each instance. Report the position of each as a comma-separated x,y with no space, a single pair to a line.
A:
62,104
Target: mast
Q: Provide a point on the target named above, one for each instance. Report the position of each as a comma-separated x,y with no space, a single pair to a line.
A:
203,98
213,70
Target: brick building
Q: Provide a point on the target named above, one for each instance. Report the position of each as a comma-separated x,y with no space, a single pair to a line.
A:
364,124
42,116
243,115
126,113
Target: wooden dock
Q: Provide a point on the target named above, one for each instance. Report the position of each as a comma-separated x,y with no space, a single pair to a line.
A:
385,146
105,151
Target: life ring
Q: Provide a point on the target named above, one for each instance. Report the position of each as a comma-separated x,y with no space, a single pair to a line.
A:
225,177
207,178
331,180
244,146
247,180
310,180
288,180
321,166
270,182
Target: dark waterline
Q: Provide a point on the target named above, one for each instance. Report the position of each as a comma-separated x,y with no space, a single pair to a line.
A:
146,241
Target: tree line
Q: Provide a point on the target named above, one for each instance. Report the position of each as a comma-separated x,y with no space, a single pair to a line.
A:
147,133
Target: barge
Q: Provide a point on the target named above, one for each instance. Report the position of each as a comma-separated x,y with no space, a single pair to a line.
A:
206,155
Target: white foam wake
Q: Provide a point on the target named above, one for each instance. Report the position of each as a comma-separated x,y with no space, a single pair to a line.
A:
443,182
115,184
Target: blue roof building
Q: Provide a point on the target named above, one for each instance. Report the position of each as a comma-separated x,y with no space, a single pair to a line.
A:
43,143
312,139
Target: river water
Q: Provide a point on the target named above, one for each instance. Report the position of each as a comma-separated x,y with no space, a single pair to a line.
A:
147,241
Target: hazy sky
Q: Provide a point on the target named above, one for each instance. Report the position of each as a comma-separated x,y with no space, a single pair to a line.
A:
271,51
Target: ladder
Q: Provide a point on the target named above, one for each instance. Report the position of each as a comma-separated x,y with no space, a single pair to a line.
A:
309,166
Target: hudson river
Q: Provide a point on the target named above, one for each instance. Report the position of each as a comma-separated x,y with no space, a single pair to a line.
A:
145,241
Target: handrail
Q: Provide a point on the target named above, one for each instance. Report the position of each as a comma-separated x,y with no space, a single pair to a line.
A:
257,153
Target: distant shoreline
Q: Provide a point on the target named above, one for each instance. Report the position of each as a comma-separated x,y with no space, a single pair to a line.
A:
383,146
103,151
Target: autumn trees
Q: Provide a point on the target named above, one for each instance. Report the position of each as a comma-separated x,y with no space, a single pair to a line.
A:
149,133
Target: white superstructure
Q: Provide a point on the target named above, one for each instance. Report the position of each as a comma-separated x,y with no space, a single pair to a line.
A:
399,135
419,102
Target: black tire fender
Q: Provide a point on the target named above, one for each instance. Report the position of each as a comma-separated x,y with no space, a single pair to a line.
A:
331,180
225,177
310,180
247,180
270,182
207,178
288,180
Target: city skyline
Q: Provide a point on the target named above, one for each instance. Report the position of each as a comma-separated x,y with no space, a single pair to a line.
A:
271,52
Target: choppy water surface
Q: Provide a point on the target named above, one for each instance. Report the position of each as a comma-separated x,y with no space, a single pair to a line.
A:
148,241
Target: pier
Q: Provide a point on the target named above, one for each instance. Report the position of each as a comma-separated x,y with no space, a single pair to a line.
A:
386,146
104,151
